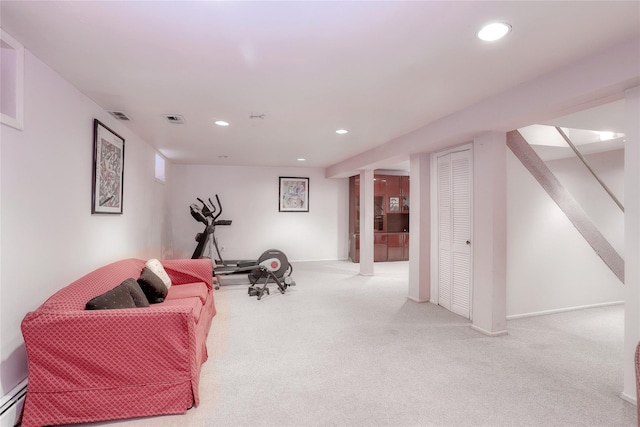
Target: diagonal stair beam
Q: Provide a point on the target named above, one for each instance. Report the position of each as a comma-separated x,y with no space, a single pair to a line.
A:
574,212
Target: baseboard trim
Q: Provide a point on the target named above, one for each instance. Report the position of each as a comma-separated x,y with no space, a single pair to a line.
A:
321,260
563,310
418,300
489,334
630,399
11,405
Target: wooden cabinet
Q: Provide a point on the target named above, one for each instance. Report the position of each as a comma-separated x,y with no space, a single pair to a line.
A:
394,187
397,246
404,203
390,219
379,184
380,247
354,205
354,247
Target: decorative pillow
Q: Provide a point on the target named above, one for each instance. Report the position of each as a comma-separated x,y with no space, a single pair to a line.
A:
155,266
139,298
153,287
126,295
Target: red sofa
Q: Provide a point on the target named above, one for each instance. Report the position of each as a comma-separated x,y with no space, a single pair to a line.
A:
638,380
93,365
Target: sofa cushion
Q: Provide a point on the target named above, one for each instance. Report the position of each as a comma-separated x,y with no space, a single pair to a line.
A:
187,290
152,286
194,303
156,266
128,294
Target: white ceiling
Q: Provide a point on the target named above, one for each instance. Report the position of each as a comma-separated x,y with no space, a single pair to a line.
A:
378,69
583,130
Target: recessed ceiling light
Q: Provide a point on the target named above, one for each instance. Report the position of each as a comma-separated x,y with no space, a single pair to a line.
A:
494,31
221,123
301,160
342,131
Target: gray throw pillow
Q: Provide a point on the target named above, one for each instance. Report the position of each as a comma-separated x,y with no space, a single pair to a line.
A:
126,295
152,286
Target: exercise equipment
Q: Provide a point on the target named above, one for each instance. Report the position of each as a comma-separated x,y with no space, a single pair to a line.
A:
207,240
271,266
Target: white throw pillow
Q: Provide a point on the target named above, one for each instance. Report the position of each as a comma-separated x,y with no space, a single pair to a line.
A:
156,266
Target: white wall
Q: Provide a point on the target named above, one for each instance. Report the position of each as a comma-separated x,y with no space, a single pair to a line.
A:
549,264
632,243
249,197
595,201
489,233
49,237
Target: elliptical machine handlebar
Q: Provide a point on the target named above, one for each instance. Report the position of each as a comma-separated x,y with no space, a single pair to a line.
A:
214,209
208,210
207,213
219,207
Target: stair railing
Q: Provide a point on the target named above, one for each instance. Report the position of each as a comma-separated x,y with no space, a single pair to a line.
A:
584,161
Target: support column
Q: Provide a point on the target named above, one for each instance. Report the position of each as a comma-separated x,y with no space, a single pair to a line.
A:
366,223
420,228
489,242
632,240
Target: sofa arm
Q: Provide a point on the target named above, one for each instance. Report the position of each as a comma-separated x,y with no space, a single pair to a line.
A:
183,271
638,380
93,349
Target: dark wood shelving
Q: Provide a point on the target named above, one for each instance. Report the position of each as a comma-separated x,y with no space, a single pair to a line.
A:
390,219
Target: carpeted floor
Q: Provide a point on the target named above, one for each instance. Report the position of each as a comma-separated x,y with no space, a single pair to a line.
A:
341,349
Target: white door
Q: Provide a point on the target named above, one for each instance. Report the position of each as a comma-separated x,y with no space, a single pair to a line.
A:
454,231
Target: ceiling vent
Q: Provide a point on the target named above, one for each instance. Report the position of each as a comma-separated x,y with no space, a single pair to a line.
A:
118,115
175,119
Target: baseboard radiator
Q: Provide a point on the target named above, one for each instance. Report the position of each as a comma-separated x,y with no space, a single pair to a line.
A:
11,405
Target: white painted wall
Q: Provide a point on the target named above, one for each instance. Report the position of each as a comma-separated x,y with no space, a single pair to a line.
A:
49,237
549,264
420,228
488,234
595,201
249,197
367,195
632,243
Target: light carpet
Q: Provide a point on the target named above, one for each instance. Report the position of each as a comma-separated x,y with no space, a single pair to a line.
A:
341,349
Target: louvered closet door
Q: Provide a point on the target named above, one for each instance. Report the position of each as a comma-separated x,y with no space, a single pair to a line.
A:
454,232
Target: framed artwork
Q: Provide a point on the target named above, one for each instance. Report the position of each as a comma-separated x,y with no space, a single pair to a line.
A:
294,194
394,204
108,170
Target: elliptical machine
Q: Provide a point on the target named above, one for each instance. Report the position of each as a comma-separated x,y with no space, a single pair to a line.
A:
272,265
207,239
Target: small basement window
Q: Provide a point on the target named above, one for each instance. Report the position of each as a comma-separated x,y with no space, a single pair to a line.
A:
160,168
11,81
